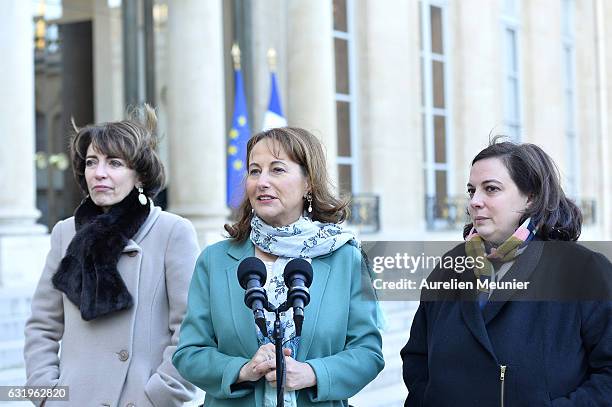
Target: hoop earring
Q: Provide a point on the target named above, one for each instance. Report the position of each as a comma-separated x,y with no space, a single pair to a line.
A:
142,198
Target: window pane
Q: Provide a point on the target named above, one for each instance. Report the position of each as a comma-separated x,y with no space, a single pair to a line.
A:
440,139
422,81
513,130
441,196
344,129
437,68
420,27
567,14
345,179
569,86
424,130
512,102
510,7
342,74
568,62
569,110
340,15
436,30
511,62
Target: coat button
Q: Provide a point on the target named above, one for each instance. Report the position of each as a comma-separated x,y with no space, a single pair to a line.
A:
133,253
124,355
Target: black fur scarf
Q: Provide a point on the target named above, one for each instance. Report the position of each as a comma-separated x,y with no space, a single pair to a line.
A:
88,272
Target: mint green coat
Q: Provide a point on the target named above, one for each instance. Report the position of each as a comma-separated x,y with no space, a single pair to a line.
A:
340,340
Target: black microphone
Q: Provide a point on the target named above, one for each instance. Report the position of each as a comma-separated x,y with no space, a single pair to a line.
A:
298,277
252,277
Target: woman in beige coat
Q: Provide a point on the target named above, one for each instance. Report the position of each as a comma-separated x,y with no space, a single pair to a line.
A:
114,288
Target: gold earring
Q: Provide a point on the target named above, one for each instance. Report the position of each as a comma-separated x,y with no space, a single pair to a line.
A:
141,196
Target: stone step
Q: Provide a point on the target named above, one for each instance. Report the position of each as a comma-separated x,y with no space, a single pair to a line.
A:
12,377
399,306
391,374
382,392
398,315
386,390
11,354
388,396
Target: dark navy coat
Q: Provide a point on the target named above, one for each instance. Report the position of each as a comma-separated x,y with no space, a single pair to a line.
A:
519,350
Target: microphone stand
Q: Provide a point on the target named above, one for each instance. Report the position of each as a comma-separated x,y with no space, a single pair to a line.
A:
278,335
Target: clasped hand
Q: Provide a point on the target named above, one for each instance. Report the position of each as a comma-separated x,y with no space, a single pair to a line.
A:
298,375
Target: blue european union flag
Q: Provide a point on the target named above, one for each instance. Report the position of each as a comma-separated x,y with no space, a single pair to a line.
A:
236,152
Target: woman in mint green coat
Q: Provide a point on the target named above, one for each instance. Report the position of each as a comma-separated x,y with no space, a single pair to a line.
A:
288,212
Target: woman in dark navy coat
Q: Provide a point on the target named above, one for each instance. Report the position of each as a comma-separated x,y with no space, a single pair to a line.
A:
544,342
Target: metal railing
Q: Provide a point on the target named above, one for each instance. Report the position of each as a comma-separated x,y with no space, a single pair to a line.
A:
451,212
446,213
365,212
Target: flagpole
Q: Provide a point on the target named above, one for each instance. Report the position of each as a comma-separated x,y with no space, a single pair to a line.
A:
236,56
238,137
272,59
274,115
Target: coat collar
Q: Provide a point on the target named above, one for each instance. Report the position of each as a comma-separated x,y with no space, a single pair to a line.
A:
243,317
477,319
241,314
521,270
320,275
133,244
472,315
241,250
148,224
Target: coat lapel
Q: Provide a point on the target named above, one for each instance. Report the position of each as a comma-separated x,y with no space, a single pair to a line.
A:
472,314
132,253
242,315
320,275
521,270
129,268
148,224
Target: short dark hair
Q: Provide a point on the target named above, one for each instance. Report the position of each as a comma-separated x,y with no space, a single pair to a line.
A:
132,140
536,176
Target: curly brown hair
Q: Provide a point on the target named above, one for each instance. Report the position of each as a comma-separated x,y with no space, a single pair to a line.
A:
132,140
307,151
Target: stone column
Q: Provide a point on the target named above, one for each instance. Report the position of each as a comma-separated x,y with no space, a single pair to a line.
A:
543,97
268,30
18,211
390,110
311,73
479,93
21,238
196,115
107,52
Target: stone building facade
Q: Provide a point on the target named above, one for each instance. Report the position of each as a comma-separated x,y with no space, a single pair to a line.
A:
403,93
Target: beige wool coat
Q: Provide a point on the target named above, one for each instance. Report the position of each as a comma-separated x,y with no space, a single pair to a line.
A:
123,359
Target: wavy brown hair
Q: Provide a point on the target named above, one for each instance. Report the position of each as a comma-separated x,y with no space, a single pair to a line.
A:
536,176
307,151
132,140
